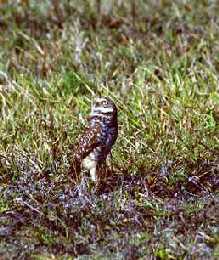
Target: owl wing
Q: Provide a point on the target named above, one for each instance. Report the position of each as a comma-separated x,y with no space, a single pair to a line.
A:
89,140
85,144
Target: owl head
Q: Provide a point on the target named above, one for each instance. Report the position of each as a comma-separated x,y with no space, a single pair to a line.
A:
103,106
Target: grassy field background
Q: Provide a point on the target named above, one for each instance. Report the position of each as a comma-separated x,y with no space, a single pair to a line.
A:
159,61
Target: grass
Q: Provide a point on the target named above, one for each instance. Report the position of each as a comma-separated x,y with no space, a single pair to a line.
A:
160,64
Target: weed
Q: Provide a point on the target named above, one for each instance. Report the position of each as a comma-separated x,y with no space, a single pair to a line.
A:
159,62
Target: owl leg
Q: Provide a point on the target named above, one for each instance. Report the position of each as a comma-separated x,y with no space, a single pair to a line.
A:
93,171
99,169
101,175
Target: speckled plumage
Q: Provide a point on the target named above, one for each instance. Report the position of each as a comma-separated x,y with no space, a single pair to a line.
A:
94,145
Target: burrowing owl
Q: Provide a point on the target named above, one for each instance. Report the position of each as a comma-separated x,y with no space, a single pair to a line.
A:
93,146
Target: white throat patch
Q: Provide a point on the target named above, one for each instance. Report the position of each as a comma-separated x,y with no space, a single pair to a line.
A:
101,110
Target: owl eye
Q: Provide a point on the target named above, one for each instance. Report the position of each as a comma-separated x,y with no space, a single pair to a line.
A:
97,103
104,103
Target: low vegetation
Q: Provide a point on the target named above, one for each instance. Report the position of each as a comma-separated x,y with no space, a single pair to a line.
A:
159,61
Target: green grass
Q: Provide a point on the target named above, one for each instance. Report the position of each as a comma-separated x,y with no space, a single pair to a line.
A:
161,67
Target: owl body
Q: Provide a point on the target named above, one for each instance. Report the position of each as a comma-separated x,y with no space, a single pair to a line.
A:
95,144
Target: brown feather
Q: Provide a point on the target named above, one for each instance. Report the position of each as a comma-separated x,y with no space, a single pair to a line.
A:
84,145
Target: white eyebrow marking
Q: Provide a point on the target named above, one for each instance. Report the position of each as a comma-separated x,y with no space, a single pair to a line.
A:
99,99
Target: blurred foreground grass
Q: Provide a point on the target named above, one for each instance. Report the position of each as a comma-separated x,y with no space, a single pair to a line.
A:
159,61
